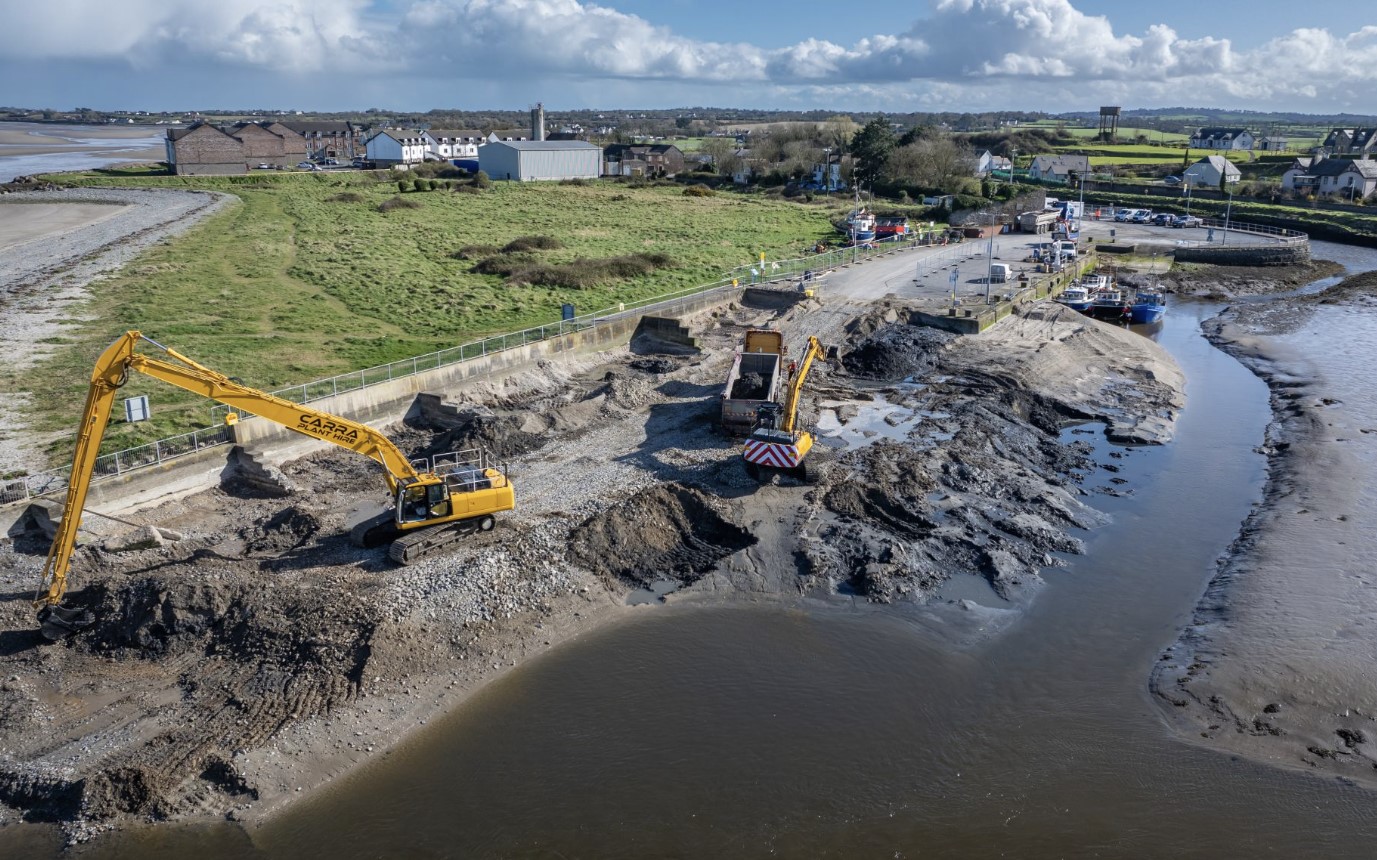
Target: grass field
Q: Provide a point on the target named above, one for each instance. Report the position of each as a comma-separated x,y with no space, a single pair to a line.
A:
307,278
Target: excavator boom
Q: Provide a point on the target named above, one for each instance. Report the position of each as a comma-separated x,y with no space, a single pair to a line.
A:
428,495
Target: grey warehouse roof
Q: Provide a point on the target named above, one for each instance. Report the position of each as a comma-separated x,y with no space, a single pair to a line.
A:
543,145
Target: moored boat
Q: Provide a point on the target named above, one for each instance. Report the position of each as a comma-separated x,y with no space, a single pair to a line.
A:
1111,304
859,225
1148,306
1076,297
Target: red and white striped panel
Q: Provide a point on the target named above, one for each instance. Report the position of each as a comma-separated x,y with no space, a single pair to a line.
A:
773,454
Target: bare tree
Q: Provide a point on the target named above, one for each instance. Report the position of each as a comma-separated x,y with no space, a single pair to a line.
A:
932,162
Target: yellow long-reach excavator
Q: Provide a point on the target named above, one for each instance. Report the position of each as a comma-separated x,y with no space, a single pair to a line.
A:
432,507
776,444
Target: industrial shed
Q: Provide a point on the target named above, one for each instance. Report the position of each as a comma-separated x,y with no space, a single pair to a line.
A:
525,160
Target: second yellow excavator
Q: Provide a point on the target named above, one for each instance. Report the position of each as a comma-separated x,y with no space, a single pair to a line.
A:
777,444
432,505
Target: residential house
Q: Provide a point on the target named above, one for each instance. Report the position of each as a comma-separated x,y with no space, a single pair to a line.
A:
342,140
1297,177
1345,178
395,147
1273,143
1207,172
634,159
987,162
1223,138
258,145
449,144
1059,168
508,135
1350,141
204,150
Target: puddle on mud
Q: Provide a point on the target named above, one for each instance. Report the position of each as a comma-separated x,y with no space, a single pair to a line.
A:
653,593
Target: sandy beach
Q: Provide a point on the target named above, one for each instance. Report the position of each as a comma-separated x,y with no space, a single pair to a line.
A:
53,245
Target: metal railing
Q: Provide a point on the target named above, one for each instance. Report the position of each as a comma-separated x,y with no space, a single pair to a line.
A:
120,462
116,463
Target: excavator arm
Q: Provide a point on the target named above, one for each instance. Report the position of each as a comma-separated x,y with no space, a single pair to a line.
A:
111,372
796,384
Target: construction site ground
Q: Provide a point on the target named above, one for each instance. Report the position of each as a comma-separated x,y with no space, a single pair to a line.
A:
245,652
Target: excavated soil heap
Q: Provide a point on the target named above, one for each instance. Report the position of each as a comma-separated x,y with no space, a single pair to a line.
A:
667,532
750,386
896,352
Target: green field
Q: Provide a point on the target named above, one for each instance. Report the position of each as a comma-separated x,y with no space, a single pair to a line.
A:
291,285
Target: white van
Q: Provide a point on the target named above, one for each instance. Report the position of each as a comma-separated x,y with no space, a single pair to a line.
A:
1001,272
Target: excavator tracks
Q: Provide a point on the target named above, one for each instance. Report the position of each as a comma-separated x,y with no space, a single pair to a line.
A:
414,545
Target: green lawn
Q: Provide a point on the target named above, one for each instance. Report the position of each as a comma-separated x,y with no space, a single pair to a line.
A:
290,285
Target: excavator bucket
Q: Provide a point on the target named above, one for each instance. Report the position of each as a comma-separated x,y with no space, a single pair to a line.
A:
59,622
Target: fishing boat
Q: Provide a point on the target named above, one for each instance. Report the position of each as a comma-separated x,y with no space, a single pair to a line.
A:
1111,304
1148,306
1077,298
860,225
1095,283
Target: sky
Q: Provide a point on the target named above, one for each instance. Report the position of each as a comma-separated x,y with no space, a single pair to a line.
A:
898,56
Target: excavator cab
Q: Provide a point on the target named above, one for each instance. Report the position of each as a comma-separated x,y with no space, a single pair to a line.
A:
421,502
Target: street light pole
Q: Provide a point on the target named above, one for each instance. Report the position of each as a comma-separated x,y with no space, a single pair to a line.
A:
989,270
1227,211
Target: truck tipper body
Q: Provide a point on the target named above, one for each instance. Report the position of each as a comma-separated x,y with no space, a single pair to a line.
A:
754,379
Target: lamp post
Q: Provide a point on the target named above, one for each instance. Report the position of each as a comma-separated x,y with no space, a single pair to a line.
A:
1228,210
989,262
827,168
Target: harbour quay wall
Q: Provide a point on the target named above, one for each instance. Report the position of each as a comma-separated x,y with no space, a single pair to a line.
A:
1250,255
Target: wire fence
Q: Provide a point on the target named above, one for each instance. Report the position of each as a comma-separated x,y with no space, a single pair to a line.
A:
25,487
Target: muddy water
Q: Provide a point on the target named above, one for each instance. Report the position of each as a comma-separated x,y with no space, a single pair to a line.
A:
856,732
851,732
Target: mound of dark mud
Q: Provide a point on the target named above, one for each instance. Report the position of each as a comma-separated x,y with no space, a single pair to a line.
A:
897,351
653,365
480,427
667,532
177,612
992,501
289,529
749,386
1227,281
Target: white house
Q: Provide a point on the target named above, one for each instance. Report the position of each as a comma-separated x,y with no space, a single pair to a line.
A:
1345,178
987,162
1297,175
1223,138
452,143
1207,172
526,160
1059,167
393,146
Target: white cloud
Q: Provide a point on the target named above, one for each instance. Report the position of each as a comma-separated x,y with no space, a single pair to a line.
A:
973,54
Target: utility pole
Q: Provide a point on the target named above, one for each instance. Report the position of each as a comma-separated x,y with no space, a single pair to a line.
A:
989,269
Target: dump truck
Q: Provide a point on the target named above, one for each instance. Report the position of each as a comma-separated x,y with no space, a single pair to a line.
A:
753,381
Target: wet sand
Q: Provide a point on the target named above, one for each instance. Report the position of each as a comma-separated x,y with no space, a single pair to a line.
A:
1278,661
49,138
34,221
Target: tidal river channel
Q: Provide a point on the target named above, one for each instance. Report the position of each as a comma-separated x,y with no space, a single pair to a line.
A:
819,731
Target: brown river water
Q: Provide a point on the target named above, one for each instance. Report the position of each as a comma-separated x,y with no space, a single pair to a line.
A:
852,731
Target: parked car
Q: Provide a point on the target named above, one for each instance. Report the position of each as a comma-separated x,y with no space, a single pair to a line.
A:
1141,216
263,166
332,161
307,165
1162,219
1186,221
1172,180
1123,215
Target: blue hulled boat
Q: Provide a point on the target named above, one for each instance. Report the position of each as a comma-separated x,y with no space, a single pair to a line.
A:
1077,298
1148,306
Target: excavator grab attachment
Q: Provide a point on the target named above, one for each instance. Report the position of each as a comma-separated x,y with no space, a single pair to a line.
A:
59,622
